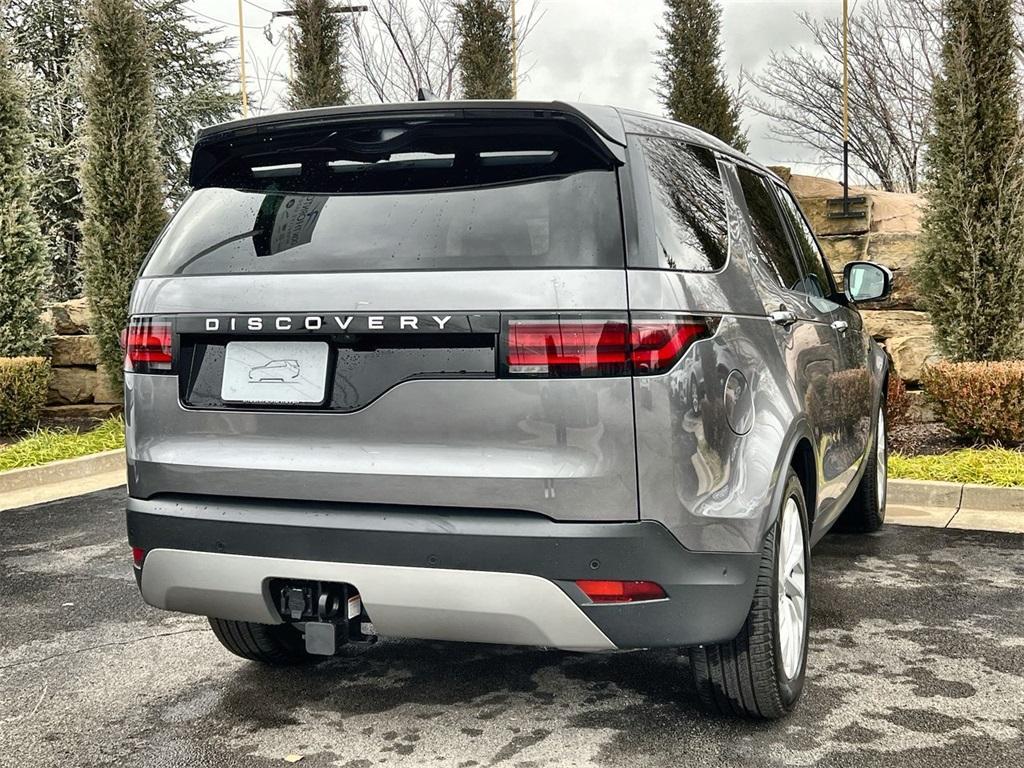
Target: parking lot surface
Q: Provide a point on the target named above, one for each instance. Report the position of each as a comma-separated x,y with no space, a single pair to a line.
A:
917,659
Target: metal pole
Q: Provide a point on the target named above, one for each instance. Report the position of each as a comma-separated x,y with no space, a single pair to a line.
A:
241,51
515,56
846,108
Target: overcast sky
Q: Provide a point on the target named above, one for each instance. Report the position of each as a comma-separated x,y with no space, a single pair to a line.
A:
600,51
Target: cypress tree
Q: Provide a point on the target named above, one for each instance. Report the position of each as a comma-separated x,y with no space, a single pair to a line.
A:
318,75
121,177
485,51
692,85
23,255
971,267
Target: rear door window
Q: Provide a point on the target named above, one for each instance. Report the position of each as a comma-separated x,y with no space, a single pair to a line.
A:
688,205
770,234
445,198
817,280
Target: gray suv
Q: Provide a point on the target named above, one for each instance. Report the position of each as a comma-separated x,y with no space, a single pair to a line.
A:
498,372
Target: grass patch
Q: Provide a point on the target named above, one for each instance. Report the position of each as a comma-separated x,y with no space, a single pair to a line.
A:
987,466
46,445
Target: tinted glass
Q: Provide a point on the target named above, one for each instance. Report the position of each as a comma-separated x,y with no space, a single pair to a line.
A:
816,277
561,222
769,231
688,201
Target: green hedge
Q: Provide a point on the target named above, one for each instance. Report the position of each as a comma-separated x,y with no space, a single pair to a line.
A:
23,385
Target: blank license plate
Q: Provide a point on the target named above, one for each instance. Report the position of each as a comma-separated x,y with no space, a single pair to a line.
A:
280,372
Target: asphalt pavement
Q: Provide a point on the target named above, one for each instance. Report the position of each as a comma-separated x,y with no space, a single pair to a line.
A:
917,659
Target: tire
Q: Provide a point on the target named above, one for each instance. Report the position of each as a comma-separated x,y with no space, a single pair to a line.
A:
866,511
758,674
274,644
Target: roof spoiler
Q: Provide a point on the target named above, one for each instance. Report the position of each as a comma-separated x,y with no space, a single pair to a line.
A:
231,143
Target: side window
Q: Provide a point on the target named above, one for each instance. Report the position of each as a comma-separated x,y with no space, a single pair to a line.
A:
817,281
688,201
769,231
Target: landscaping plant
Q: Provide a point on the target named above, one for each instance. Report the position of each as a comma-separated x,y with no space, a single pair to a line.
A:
691,84
46,445
23,255
195,86
971,266
485,48
318,74
897,403
23,385
979,401
121,177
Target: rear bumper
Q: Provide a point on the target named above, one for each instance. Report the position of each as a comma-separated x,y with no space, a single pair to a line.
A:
445,574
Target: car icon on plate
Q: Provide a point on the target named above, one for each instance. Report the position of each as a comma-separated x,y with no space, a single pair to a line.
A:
275,370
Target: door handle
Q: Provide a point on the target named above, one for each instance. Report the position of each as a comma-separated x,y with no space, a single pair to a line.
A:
841,325
783,317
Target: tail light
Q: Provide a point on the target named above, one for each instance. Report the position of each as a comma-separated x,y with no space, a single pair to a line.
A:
138,555
567,346
621,591
149,345
576,345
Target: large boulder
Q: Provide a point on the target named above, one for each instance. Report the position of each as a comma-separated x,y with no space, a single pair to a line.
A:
74,350
105,392
70,386
908,338
68,318
839,251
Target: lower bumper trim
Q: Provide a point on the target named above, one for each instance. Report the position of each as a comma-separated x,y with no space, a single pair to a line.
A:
425,603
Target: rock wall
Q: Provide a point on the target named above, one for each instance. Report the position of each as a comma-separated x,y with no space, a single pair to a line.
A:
78,385
888,234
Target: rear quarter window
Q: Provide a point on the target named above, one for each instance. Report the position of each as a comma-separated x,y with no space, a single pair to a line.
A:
689,229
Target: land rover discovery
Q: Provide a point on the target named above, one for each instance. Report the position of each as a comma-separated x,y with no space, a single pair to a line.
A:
499,372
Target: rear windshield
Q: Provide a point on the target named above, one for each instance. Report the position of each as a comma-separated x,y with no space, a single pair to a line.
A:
473,203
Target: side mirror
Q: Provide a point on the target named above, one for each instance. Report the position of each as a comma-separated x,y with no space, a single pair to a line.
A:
867,281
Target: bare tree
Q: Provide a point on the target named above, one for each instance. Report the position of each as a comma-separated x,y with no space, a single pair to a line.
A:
402,45
399,46
894,48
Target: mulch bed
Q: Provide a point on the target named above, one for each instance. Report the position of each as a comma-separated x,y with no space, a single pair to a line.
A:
924,440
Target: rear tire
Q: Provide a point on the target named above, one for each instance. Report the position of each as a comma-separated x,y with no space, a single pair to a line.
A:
866,510
274,644
759,673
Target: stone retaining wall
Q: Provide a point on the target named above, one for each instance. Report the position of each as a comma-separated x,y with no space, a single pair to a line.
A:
887,234
78,385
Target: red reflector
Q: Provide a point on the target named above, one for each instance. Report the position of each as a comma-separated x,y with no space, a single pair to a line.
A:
148,345
620,591
658,344
138,555
568,347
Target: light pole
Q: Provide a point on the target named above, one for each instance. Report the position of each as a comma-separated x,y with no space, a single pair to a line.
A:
241,51
846,207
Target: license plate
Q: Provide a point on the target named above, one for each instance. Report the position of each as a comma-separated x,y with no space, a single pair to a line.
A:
275,372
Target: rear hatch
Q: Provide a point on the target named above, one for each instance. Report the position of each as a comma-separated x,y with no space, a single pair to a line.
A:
425,308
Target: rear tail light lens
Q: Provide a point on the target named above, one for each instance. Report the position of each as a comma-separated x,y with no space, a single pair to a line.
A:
621,591
567,345
138,555
656,344
149,345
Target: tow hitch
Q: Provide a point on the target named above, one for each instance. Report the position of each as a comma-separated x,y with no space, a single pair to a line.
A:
329,615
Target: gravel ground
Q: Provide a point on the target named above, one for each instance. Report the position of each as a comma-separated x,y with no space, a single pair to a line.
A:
917,660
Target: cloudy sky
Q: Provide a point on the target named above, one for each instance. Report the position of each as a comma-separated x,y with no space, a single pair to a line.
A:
594,50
